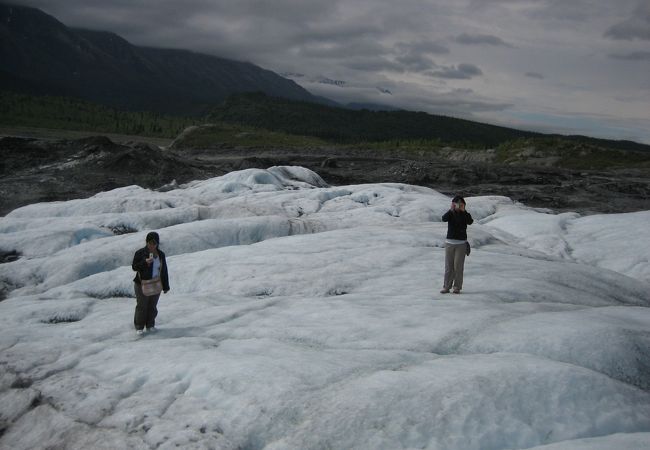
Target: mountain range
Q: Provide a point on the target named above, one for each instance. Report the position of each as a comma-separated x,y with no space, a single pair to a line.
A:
41,55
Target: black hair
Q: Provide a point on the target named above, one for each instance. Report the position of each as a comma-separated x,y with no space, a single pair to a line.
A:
459,199
153,236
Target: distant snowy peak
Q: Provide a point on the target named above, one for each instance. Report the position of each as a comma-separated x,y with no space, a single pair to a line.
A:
325,80
320,79
292,75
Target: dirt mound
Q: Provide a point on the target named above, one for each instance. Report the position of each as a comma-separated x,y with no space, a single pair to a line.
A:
36,170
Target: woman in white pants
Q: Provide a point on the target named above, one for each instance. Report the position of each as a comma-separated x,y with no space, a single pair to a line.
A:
457,219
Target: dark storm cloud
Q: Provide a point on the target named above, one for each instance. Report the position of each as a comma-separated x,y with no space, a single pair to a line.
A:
340,49
631,56
551,10
118,16
480,39
415,56
415,63
372,64
539,76
103,11
636,27
460,72
562,10
203,25
421,48
317,32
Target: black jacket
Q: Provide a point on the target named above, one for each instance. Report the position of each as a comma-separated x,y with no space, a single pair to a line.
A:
144,270
457,222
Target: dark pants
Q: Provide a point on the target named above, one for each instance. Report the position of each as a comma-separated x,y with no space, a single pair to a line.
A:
145,309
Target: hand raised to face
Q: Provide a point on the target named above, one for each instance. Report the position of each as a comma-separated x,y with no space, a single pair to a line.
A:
460,206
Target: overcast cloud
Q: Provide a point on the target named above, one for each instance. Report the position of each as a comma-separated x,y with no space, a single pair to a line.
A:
550,65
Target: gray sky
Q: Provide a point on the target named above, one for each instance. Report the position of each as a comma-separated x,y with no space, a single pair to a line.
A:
578,66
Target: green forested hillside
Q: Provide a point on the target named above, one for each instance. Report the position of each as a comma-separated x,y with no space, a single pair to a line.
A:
72,114
353,126
348,126
258,120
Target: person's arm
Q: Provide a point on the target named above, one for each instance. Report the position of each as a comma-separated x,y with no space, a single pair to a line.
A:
468,218
446,216
139,261
164,276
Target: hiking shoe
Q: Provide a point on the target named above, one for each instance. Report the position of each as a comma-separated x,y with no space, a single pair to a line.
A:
444,291
151,330
139,332
456,291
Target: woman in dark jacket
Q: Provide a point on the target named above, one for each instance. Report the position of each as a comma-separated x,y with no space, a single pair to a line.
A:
456,244
149,262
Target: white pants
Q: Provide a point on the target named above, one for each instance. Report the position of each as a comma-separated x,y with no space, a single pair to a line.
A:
454,265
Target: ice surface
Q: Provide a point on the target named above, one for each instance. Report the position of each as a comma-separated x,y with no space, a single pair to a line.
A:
303,316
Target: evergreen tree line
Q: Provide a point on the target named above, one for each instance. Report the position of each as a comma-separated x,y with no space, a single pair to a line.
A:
347,126
335,125
74,114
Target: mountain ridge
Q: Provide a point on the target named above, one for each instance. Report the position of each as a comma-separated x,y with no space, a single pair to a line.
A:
45,56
